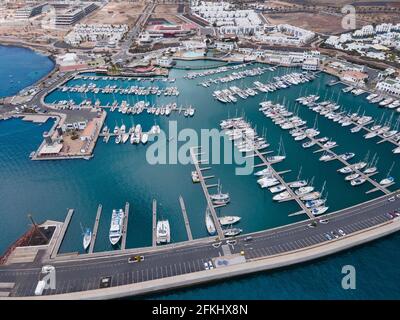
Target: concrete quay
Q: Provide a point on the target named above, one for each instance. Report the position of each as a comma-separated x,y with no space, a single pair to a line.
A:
165,268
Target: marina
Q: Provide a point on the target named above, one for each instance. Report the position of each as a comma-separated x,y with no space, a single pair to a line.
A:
248,205
379,129
326,146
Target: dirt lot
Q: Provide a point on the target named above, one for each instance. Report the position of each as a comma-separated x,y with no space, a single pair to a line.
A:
167,12
124,12
315,22
337,2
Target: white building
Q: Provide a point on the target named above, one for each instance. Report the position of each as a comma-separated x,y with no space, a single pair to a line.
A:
311,64
389,86
284,34
227,18
105,33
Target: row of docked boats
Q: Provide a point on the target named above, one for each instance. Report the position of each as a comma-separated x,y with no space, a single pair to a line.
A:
384,102
244,137
236,76
353,90
124,78
228,221
376,98
331,110
135,134
357,173
131,90
229,95
209,72
141,106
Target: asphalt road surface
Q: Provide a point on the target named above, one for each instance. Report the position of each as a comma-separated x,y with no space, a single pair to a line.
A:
86,274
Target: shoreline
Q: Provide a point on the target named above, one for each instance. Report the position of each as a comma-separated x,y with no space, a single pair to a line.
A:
38,52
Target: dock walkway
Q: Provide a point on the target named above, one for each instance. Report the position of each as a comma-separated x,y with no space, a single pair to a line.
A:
95,228
185,218
125,227
205,191
62,233
154,233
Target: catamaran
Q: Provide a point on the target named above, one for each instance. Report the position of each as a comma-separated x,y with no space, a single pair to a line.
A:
163,234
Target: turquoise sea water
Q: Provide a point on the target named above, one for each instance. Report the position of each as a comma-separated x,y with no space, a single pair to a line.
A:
20,67
120,173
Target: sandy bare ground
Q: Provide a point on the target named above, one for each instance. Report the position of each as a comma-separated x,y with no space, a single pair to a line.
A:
124,12
166,8
168,12
322,23
335,2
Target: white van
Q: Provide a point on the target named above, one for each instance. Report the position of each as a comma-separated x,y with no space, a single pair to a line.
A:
40,287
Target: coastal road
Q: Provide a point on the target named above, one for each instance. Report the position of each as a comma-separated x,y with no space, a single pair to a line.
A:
132,35
86,272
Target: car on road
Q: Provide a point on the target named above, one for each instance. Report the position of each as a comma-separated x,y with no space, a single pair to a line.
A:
396,213
327,236
48,269
248,238
210,265
135,259
341,232
324,221
206,266
391,199
388,215
333,233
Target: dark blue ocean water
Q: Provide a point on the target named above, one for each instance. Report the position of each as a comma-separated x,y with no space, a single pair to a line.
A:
20,68
120,173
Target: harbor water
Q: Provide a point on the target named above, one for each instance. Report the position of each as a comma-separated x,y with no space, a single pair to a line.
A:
21,67
121,173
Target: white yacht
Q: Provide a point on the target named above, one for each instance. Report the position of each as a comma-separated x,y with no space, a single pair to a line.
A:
220,198
319,210
228,220
232,232
117,219
87,238
210,223
163,234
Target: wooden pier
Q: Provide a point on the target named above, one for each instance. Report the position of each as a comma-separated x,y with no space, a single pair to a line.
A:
62,233
125,227
206,194
185,218
95,228
154,233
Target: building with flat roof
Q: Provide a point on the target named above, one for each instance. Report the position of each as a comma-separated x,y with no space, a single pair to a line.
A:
73,15
30,11
168,31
